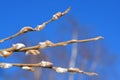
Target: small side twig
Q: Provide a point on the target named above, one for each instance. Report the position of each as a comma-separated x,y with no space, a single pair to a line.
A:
19,47
49,65
38,27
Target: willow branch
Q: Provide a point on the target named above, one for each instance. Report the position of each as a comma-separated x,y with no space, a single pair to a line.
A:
49,65
27,29
20,47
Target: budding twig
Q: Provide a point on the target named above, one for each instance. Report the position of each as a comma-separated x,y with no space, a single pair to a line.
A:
38,27
19,47
49,65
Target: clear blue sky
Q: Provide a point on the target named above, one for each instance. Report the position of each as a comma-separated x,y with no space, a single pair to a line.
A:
103,16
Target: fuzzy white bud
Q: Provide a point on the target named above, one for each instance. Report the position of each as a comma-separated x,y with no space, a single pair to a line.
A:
40,27
5,65
57,15
25,67
61,70
45,64
26,29
42,44
18,46
34,52
5,53
2,53
28,68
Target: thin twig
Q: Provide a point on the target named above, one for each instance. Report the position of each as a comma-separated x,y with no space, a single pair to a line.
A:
38,27
49,65
19,47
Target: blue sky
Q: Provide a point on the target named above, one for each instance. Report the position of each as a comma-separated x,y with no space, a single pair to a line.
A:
102,16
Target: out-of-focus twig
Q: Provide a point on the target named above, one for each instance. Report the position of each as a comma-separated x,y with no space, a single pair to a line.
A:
38,27
19,47
73,54
49,65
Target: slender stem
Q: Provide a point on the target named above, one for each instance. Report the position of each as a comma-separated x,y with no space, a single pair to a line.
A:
37,28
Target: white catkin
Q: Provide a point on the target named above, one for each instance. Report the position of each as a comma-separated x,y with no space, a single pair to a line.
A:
42,44
3,53
61,70
40,27
5,65
55,17
27,28
34,52
44,63
18,46
26,67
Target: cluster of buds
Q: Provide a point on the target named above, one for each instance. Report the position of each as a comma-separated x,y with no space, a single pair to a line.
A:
20,47
5,53
29,67
39,27
46,64
73,70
